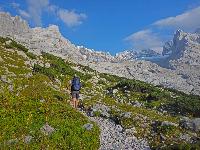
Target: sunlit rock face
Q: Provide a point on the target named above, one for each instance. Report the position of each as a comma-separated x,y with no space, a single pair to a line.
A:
183,52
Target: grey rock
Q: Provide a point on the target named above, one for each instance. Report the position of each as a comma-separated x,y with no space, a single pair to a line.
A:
162,137
47,65
167,123
185,137
192,124
103,109
47,129
12,141
27,139
115,139
115,91
126,114
119,128
196,124
5,79
137,104
88,126
42,100
11,88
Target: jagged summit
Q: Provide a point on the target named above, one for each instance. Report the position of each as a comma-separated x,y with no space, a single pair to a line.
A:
10,26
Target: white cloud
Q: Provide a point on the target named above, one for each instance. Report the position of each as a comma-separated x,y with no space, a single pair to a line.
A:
35,9
145,39
23,13
15,5
71,18
189,20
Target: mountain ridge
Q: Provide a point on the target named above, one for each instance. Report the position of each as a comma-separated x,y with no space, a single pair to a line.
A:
51,41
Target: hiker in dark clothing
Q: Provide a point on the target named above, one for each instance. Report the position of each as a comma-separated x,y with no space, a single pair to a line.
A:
75,90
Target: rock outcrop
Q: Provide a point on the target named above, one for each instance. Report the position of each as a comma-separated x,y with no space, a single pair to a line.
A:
134,54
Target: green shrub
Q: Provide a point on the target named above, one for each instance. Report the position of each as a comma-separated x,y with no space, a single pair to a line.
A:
31,55
20,47
57,67
3,40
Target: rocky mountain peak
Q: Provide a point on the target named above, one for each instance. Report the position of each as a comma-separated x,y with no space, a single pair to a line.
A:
10,26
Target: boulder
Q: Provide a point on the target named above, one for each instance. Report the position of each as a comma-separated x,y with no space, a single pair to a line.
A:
5,79
27,139
47,129
88,126
119,128
126,114
137,104
185,137
13,141
167,123
115,91
191,124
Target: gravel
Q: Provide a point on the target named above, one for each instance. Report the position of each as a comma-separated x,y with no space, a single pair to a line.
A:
112,137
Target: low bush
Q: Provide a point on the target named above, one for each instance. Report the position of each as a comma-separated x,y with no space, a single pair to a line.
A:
31,55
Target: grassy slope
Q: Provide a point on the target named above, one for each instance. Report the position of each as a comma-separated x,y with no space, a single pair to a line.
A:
25,114
95,87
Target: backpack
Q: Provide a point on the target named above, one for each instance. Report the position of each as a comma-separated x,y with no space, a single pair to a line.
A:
76,85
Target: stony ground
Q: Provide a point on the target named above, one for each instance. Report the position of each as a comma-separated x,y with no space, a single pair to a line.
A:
113,137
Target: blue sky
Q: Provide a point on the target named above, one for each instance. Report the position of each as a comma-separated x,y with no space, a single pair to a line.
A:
111,25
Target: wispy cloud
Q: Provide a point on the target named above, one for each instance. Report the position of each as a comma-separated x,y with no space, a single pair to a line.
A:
153,36
15,5
71,18
145,39
21,12
36,8
186,21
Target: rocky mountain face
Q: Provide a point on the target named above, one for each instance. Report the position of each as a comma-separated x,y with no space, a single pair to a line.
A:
183,51
167,48
46,40
148,72
95,56
185,57
133,54
183,61
10,26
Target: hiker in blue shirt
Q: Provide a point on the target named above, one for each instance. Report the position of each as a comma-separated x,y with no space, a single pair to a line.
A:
75,90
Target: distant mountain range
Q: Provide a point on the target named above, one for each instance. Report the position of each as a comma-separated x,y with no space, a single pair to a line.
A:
181,55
